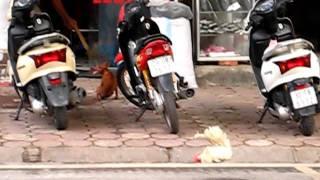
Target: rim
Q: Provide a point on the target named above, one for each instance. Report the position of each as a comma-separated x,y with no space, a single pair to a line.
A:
127,79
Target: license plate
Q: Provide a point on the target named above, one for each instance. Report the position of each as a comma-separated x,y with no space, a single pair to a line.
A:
161,65
304,98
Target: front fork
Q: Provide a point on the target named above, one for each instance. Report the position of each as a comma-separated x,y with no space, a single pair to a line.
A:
154,96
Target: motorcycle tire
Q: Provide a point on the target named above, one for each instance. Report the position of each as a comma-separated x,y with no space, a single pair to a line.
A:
170,109
307,125
60,117
126,88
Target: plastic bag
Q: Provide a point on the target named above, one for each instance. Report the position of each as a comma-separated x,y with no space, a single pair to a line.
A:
172,10
4,24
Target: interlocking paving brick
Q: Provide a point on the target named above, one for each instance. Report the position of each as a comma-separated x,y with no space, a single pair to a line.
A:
49,130
139,143
102,129
132,130
46,137
165,136
76,143
198,143
252,136
258,142
289,141
108,143
157,130
245,131
240,126
102,135
236,142
16,137
16,144
312,142
135,136
47,143
75,135
169,143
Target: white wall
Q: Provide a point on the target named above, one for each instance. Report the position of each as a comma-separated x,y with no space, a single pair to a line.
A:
4,6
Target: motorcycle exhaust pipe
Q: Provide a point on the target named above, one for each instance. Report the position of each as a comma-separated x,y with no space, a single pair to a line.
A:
280,111
36,105
77,95
190,93
186,93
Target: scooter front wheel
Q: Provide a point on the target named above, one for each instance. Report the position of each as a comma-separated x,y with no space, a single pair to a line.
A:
60,117
307,125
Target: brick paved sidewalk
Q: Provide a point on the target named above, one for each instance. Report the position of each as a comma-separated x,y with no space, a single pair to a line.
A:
101,132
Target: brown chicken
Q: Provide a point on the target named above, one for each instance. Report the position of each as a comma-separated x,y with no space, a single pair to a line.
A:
108,83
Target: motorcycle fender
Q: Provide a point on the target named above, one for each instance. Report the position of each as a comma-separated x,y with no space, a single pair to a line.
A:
167,82
308,111
57,95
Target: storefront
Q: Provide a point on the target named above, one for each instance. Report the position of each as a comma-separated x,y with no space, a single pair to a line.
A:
217,27
218,30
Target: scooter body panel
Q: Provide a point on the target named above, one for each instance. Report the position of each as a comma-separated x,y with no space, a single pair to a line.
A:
272,76
27,70
58,95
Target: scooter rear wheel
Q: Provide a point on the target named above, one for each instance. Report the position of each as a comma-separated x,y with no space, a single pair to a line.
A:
60,117
307,125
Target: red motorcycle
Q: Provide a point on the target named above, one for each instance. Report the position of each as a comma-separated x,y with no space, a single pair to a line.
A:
146,71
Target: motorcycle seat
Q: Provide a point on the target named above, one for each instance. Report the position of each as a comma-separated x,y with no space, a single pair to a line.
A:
41,40
287,47
142,42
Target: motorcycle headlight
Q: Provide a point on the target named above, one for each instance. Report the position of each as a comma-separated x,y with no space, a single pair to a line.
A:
22,3
265,6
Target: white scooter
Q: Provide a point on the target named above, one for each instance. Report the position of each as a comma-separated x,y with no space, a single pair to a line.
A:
286,68
43,64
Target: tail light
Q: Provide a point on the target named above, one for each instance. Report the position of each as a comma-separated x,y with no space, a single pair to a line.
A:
152,50
54,79
301,86
53,56
303,61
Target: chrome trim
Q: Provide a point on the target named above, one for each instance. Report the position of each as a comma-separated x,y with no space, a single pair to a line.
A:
45,38
287,47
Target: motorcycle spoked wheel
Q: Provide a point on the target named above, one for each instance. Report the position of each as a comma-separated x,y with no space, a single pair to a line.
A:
125,87
169,108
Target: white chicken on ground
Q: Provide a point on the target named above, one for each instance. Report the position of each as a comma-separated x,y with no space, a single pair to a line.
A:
221,147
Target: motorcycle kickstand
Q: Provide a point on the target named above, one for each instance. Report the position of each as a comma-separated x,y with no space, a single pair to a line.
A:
265,109
20,107
141,113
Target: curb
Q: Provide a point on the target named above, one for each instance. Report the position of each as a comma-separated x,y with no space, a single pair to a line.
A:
122,155
151,166
210,75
